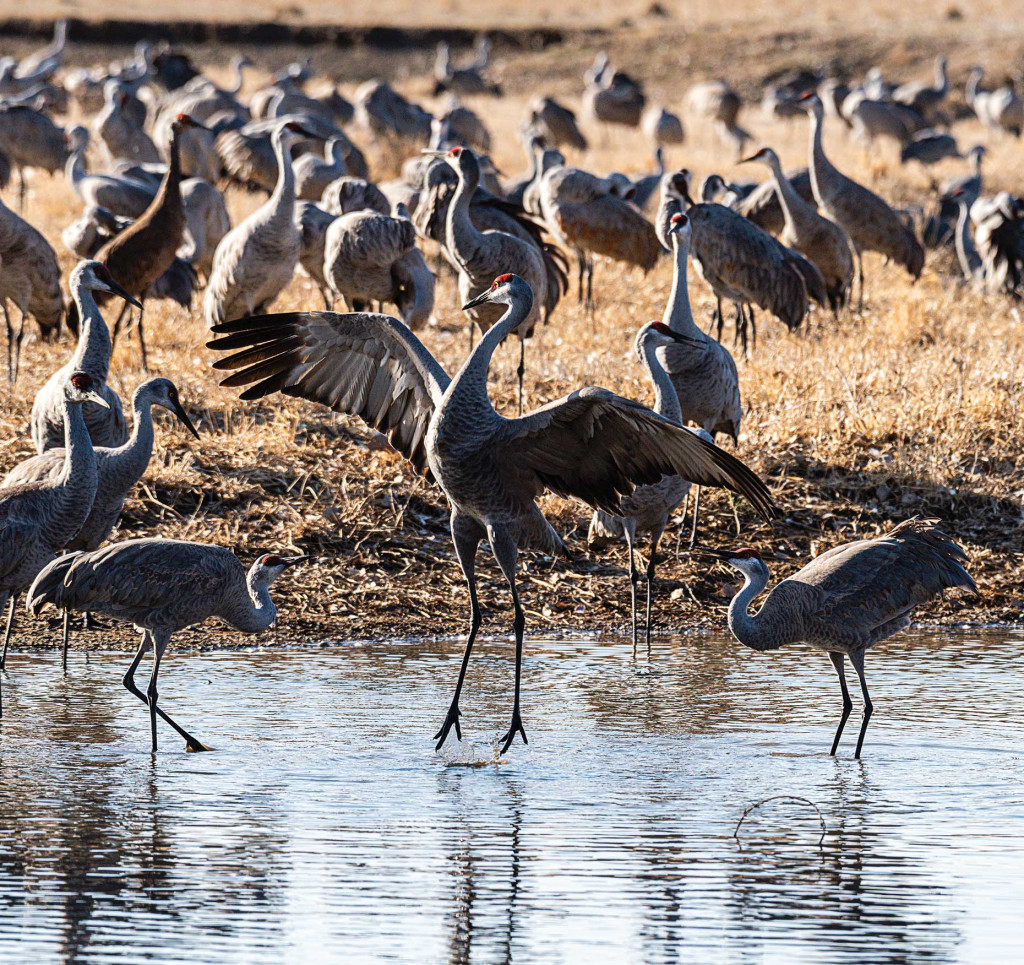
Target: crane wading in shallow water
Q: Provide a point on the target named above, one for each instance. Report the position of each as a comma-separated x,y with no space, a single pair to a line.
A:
161,586
848,599
591,444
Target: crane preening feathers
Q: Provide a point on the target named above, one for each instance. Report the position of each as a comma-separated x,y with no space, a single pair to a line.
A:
591,444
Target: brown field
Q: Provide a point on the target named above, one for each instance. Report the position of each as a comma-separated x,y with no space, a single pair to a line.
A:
915,407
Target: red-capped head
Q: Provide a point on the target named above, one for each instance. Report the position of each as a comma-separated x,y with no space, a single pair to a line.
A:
501,280
456,152
82,381
661,328
270,559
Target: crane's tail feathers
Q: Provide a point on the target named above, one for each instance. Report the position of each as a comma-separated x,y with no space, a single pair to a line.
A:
47,585
937,550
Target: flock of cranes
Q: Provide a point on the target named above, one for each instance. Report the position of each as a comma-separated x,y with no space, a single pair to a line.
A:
155,225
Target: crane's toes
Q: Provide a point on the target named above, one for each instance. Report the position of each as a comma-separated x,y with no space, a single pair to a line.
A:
450,721
193,746
515,728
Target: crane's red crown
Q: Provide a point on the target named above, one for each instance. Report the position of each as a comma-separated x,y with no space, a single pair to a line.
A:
747,554
102,272
806,95
500,280
270,559
661,327
680,219
455,152
82,381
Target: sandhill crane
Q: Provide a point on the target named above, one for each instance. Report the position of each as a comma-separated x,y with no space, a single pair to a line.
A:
587,216
739,261
92,355
999,235
87,234
382,111
966,252
822,241
926,98
362,251
871,119
479,256
206,223
515,189
701,370
847,599
118,131
45,62
999,109
347,194
592,444
648,508
716,101
612,96
868,221
121,196
459,80
29,139
313,223
762,204
257,258
457,125
641,190
555,124
929,147
329,106
313,174
117,470
162,586
661,126
140,254
37,519
30,280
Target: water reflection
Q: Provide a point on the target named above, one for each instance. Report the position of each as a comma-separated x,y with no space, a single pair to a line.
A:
323,828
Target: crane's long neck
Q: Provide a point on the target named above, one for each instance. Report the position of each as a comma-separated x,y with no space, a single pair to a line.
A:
471,381
941,78
666,401
260,613
170,187
789,200
74,168
752,631
460,232
77,483
92,353
819,163
236,87
133,457
678,314
973,83
282,201
966,252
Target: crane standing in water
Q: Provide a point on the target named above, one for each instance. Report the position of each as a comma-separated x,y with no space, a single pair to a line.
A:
848,599
591,444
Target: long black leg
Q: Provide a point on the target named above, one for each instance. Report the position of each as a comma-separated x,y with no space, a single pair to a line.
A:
142,343
634,576
590,283
753,328
10,344
117,324
129,681
520,370
579,278
506,551
466,540
65,636
837,662
696,514
655,539
857,659
7,631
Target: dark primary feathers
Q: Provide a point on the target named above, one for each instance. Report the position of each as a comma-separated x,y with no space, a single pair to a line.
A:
598,446
362,364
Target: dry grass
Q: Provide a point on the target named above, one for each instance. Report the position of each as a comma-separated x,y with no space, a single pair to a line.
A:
913,408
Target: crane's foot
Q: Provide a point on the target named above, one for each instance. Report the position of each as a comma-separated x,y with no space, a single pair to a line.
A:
515,727
192,746
450,721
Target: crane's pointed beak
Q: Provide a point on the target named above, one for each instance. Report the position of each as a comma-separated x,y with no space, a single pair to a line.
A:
118,290
93,396
479,300
183,418
704,552
292,560
686,340
747,160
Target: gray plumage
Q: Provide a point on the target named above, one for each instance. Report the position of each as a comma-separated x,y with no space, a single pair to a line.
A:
555,124
648,508
92,355
868,221
38,518
592,444
925,98
118,469
849,598
662,127
999,109
29,281
345,194
468,79
313,174
29,139
44,63
161,586
382,111
206,223
762,205
256,260
930,147
119,131
313,223
716,101
611,96
822,241
122,196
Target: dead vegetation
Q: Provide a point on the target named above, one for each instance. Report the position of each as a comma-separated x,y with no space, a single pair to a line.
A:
915,407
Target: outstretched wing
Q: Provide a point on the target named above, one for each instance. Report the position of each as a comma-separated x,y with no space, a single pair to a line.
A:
598,446
367,365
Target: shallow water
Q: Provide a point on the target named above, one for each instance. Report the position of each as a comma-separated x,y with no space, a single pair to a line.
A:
324,828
